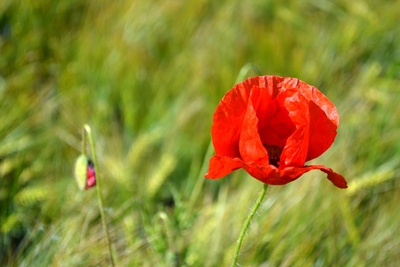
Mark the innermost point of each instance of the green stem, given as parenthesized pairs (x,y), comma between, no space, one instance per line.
(247,224)
(98,186)
(200,178)
(84,142)
(245,70)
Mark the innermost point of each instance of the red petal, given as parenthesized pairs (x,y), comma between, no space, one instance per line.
(322,132)
(228,117)
(263,104)
(313,94)
(221,166)
(250,145)
(296,147)
(275,126)
(91,177)
(227,122)
(267,174)
(292,173)
(324,120)
(270,83)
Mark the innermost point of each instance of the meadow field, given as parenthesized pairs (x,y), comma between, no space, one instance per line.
(147,77)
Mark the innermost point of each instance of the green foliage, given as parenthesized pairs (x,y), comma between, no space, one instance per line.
(147,76)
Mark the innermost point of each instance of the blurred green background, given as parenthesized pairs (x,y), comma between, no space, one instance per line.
(147,76)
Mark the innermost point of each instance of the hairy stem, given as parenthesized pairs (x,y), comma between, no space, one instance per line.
(247,224)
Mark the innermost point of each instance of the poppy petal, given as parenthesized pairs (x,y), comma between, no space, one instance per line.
(322,132)
(275,125)
(250,145)
(324,120)
(263,104)
(311,93)
(296,147)
(292,173)
(221,166)
(228,117)
(227,121)
(267,174)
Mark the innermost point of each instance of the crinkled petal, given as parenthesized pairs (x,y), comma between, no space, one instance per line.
(322,132)
(272,84)
(263,104)
(296,147)
(313,94)
(221,166)
(292,173)
(267,174)
(323,122)
(227,122)
(275,125)
(228,117)
(337,179)
(250,145)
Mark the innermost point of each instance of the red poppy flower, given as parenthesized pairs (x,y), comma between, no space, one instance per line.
(270,126)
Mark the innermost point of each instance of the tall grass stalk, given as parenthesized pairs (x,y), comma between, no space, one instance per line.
(88,131)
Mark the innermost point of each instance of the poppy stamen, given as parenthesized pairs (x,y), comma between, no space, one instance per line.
(274,154)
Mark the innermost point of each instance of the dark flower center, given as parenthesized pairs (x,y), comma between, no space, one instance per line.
(274,154)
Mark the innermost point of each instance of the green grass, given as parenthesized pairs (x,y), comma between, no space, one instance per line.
(147,76)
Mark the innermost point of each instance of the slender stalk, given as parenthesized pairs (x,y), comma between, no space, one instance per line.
(98,186)
(246,70)
(247,224)
(200,178)
(84,141)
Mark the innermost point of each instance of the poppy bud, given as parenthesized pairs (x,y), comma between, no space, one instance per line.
(84,172)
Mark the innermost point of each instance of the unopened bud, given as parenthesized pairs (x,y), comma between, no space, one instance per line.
(84,173)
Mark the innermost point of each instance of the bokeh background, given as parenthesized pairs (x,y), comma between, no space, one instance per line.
(147,76)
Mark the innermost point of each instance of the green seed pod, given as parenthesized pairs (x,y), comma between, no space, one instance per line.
(81,166)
